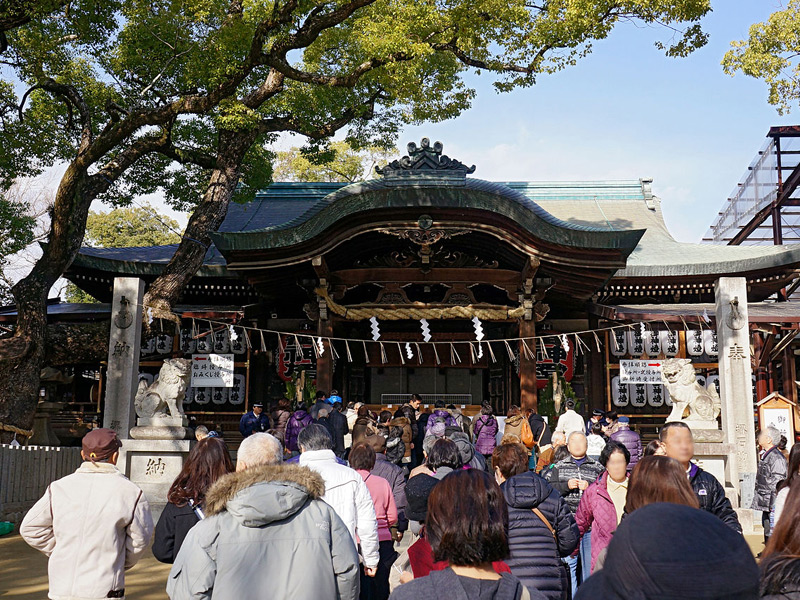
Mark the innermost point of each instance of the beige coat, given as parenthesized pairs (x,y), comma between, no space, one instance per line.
(93,524)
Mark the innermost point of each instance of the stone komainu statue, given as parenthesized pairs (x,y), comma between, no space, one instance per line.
(687,395)
(164,397)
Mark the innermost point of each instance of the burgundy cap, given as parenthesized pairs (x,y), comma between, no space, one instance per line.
(100,444)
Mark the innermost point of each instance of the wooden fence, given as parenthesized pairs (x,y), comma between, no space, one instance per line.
(25,473)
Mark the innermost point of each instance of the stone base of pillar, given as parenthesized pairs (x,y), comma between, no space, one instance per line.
(153,465)
(750,524)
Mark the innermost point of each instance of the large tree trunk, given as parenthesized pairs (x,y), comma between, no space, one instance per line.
(22,356)
(166,290)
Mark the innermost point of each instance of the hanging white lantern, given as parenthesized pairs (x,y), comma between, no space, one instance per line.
(236,395)
(163,343)
(652,343)
(669,343)
(710,343)
(619,342)
(655,395)
(635,342)
(188,345)
(219,395)
(638,395)
(221,345)
(694,342)
(620,396)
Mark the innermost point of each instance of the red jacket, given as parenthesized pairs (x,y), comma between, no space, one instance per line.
(596,512)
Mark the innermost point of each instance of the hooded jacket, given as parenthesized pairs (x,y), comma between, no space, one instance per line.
(279,423)
(534,557)
(297,422)
(94,525)
(437,416)
(469,458)
(408,433)
(485,429)
(772,470)
(346,492)
(267,526)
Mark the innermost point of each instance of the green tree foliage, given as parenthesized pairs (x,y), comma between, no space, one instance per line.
(185,97)
(126,227)
(123,228)
(771,53)
(16,233)
(338,162)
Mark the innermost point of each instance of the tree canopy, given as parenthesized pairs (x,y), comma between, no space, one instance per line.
(771,53)
(338,162)
(185,97)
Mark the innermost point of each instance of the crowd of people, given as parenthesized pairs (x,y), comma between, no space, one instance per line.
(337,501)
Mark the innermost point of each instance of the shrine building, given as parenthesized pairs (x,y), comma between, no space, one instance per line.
(426,239)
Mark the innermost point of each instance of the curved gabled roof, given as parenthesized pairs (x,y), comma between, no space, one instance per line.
(470,197)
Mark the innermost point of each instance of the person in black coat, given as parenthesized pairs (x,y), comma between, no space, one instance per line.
(536,551)
(338,428)
(208,461)
(679,444)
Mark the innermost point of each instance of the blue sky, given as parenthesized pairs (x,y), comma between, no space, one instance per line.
(624,112)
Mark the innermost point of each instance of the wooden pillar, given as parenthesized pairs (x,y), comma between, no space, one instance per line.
(789,374)
(762,377)
(595,386)
(325,362)
(527,367)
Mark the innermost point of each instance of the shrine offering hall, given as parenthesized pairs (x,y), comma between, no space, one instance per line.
(429,280)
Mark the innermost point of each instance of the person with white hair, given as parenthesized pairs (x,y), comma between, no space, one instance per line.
(345,491)
(266,525)
(772,469)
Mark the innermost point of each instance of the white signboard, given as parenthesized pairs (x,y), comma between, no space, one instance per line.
(640,371)
(212,370)
(780,419)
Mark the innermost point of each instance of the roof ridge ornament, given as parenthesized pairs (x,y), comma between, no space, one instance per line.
(425,164)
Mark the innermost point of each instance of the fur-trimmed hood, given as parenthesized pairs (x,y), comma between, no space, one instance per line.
(264,494)
(400,422)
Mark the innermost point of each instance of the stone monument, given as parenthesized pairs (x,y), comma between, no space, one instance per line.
(160,442)
(736,389)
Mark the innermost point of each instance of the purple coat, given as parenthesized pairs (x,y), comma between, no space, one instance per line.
(596,512)
(297,422)
(631,440)
(440,413)
(485,430)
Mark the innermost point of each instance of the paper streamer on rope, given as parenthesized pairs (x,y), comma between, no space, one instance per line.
(320,347)
(232,333)
(247,338)
(333,349)
(384,360)
(453,354)
(564,342)
(299,347)
(426,330)
(419,352)
(347,347)
(596,340)
(641,329)
(491,352)
(472,358)
(264,346)
(400,352)
(526,350)
(409,352)
(509,350)
(315,348)
(706,318)
(436,354)
(480,351)
(545,355)
(376,330)
(366,354)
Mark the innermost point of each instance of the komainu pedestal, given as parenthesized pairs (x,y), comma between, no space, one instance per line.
(161,439)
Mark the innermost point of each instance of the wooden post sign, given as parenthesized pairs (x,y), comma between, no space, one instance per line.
(777,411)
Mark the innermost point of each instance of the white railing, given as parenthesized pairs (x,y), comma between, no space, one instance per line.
(25,473)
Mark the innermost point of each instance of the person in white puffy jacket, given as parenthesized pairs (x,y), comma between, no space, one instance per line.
(345,492)
(94,525)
